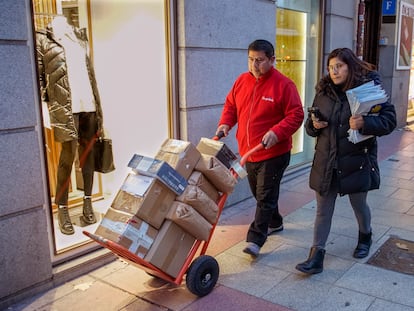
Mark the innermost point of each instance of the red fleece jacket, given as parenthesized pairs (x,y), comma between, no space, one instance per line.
(271,102)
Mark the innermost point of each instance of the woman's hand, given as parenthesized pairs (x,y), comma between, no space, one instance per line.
(356,122)
(319,124)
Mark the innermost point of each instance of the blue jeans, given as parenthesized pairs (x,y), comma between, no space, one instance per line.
(264,179)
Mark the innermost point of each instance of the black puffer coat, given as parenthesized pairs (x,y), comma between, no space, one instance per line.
(356,165)
(55,86)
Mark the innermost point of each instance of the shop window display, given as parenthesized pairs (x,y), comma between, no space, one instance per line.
(297,56)
(83,97)
(69,88)
(410,108)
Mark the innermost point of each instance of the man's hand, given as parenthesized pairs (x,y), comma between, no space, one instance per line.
(269,139)
(223,128)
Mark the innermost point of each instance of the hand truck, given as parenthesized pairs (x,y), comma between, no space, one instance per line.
(202,272)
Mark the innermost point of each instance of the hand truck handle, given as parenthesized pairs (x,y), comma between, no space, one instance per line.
(219,135)
(258,147)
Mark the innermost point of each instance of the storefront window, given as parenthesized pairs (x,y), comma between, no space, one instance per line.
(102,65)
(297,56)
(410,108)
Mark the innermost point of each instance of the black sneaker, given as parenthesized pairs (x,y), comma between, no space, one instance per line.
(272,230)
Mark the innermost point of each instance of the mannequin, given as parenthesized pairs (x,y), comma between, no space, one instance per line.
(68,85)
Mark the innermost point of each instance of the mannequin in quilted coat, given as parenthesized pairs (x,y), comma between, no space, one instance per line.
(69,87)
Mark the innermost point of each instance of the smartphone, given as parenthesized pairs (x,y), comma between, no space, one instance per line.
(315,114)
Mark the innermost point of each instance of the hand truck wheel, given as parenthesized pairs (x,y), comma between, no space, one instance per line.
(152,275)
(202,275)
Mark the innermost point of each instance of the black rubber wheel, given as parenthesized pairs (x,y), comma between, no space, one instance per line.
(202,275)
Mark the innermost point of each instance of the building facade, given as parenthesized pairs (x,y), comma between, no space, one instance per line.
(163,70)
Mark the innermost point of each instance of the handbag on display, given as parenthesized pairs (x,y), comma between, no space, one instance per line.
(104,159)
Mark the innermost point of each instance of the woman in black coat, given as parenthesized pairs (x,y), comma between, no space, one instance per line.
(339,165)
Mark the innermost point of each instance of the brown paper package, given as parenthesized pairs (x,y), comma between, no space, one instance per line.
(198,179)
(200,201)
(215,171)
(190,220)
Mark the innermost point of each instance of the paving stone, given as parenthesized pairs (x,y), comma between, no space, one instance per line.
(378,282)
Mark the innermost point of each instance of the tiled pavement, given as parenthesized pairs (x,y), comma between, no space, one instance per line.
(271,282)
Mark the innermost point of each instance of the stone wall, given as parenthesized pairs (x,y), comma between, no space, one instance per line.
(212,52)
(25,256)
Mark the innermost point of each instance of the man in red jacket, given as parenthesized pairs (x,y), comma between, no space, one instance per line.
(267,109)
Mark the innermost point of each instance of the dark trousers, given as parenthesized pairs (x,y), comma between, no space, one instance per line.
(86,125)
(264,180)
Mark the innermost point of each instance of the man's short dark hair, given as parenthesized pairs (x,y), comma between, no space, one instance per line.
(262,45)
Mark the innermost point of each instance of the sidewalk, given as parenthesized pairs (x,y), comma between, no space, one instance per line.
(271,282)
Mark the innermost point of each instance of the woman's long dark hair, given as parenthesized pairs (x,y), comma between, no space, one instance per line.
(357,68)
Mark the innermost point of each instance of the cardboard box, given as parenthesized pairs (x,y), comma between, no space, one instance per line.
(190,220)
(217,149)
(170,248)
(126,202)
(146,197)
(198,179)
(128,231)
(181,155)
(160,170)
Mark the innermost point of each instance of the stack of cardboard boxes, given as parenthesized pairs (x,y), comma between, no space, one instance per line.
(168,202)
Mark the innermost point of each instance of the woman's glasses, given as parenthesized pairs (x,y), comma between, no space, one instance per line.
(335,67)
